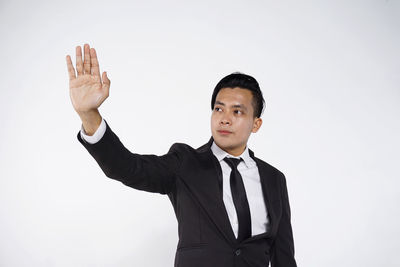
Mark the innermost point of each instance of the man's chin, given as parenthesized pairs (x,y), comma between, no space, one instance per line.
(224,144)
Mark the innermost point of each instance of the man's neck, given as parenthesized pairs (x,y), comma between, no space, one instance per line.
(234,152)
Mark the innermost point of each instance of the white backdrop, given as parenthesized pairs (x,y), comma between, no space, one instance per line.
(329,71)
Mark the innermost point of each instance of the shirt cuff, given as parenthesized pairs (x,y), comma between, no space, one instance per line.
(92,139)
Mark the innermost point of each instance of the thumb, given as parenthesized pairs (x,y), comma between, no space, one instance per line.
(106,81)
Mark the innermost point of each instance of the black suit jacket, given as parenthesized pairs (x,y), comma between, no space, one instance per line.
(192,179)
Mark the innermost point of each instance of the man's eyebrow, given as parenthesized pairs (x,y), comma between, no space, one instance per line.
(234,106)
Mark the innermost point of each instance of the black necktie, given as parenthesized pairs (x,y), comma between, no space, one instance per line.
(239,199)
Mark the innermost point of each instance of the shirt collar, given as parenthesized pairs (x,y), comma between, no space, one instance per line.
(221,154)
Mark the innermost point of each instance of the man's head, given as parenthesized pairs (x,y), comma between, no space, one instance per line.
(237,104)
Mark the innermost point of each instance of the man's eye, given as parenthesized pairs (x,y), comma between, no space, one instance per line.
(217,108)
(238,111)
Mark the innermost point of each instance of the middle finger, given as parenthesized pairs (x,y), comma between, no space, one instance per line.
(86,63)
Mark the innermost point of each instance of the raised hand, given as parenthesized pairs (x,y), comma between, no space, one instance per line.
(87,89)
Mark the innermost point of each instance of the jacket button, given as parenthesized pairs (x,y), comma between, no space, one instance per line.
(237,252)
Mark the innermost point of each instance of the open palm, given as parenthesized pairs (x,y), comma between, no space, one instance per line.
(86,88)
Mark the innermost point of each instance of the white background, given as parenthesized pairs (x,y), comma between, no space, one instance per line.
(329,71)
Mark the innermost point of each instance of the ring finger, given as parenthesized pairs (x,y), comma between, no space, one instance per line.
(79,65)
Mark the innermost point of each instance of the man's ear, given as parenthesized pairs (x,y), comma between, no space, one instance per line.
(256,125)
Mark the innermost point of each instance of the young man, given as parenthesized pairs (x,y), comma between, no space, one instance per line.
(232,208)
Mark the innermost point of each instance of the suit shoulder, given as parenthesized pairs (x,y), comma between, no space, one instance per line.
(180,148)
(272,169)
(185,149)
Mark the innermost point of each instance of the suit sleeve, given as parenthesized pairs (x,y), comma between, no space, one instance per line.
(143,172)
(283,247)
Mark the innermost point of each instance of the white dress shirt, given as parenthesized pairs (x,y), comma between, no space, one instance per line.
(91,139)
(252,185)
(251,180)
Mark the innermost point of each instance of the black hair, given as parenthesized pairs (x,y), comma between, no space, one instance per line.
(243,81)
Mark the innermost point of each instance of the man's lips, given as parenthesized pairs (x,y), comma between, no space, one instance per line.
(224,132)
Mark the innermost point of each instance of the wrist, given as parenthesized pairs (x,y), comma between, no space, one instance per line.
(91,121)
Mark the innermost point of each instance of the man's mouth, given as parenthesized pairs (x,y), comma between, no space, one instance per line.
(224,132)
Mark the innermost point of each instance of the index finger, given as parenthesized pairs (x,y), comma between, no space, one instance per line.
(94,63)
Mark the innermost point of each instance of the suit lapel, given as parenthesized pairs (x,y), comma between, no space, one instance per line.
(208,192)
(270,193)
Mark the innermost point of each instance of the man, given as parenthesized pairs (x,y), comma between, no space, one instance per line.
(232,208)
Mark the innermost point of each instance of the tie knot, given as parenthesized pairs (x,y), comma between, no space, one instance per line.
(233,162)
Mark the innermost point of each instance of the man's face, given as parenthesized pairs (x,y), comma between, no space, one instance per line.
(232,119)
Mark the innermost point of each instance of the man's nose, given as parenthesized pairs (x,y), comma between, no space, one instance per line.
(225,120)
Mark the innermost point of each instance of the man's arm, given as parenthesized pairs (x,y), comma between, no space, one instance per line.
(143,172)
(88,90)
(283,247)
(92,139)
